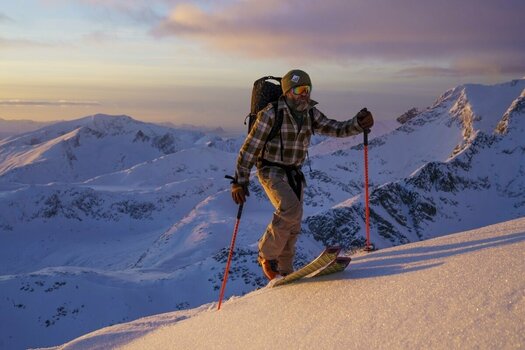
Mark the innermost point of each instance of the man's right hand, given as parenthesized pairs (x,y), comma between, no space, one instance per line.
(239,193)
(365,119)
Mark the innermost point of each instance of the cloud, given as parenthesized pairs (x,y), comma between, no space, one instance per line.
(44,103)
(479,66)
(138,11)
(98,37)
(18,43)
(5,18)
(353,29)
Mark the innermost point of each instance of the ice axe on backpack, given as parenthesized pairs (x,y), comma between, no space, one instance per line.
(232,246)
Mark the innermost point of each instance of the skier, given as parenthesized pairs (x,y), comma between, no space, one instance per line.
(279,163)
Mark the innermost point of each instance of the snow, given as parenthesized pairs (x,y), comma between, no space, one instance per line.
(485,108)
(146,231)
(462,291)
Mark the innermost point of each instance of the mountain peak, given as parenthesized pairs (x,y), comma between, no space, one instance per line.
(510,117)
(125,142)
(408,115)
(109,123)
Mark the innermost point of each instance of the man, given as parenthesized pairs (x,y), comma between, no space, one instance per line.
(279,164)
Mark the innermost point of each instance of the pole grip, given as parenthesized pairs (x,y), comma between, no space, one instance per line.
(239,212)
(365,136)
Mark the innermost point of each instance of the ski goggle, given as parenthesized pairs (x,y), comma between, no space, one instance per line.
(303,89)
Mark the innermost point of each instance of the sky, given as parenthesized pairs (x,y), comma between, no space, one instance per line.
(194,62)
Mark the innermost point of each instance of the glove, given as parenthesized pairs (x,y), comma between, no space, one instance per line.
(239,193)
(365,119)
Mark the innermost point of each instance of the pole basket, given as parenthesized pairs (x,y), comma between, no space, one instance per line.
(369,248)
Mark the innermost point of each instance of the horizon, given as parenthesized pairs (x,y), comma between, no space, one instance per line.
(195,62)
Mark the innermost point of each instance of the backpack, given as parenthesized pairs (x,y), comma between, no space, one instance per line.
(265,92)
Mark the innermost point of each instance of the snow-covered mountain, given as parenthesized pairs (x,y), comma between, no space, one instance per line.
(84,148)
(108,219)
(456,166)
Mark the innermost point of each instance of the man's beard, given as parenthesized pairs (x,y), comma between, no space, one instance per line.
(299,104)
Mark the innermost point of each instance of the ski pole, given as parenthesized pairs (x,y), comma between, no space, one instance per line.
(230,254)
(369,247)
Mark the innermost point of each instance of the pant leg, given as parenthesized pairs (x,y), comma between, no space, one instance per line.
(278,241)
(285,260)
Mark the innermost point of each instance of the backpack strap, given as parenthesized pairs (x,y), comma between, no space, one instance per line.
(278,123)
(311,114)
(276,127)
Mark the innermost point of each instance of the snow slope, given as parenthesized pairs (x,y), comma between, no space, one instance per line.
(461,291)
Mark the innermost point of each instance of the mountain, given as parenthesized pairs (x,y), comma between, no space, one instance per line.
(103,214)
(71,151)
(410,114)
(15,127)
(465,172)
(462,291)
(202,128)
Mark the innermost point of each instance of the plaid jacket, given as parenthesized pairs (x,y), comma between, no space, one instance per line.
(295,144)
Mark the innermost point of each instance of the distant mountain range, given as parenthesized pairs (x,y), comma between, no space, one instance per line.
(104,213)
(15,127)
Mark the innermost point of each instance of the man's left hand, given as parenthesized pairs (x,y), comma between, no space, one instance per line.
(365,119)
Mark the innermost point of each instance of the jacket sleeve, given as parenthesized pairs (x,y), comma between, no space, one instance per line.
(253,145)
(331,127)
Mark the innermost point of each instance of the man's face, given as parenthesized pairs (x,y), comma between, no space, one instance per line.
(299,98)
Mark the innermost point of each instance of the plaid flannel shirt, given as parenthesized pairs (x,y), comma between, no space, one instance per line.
(295,143)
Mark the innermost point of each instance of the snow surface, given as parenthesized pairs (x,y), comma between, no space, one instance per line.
(461,291)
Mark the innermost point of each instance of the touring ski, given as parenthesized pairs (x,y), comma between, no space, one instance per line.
(339,264)
(324,259)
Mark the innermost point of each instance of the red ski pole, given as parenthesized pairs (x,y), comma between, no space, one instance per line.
(232,246)
(368,247)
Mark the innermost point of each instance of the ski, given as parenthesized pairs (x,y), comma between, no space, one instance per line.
(338,265)
(323,260)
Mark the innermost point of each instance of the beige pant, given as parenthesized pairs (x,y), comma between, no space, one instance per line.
(278,241)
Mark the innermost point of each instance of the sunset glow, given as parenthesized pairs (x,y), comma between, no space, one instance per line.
(194,62)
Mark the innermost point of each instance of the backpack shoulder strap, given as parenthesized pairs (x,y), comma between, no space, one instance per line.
(311,114)
(276,127)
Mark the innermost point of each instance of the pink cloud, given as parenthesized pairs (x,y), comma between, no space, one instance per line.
(42,103)
(478,66)
(403,30)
